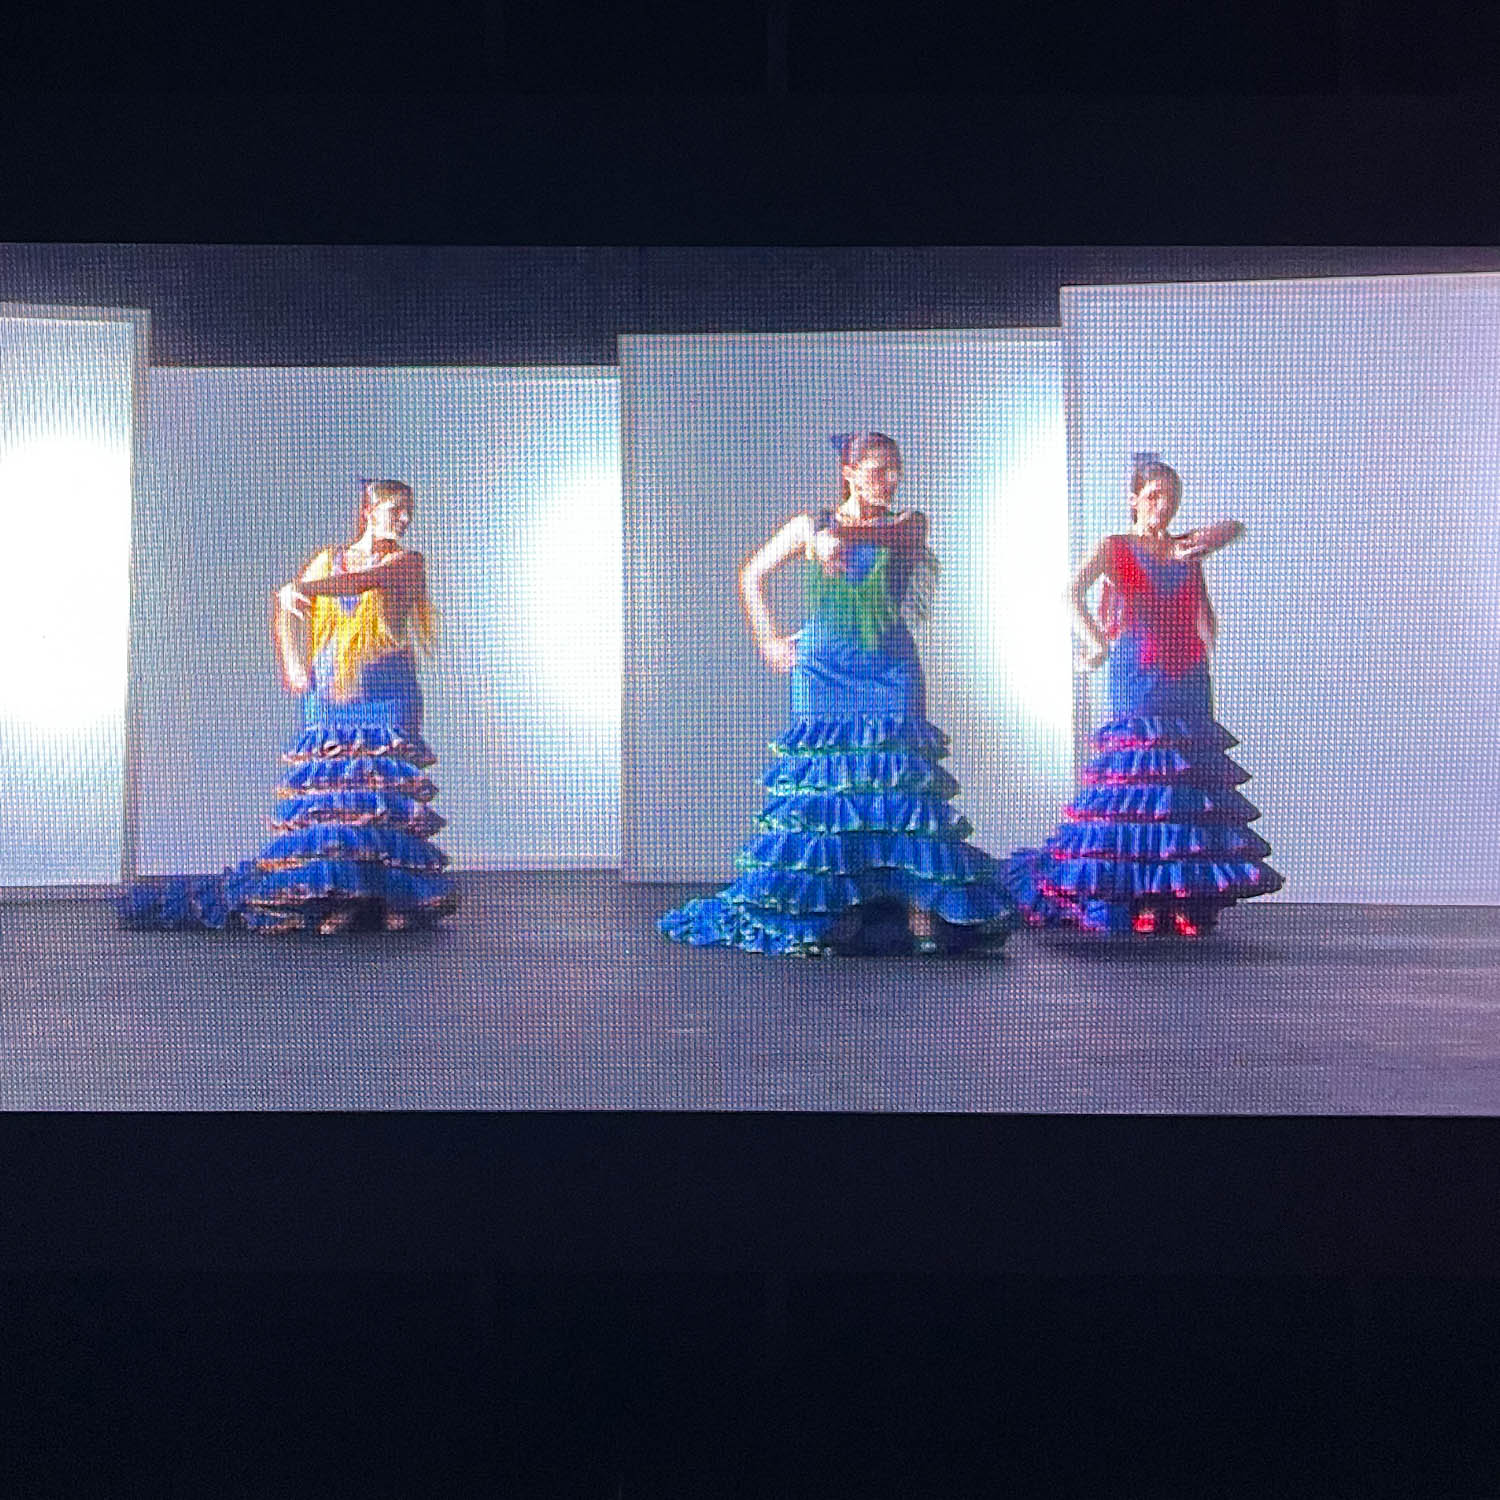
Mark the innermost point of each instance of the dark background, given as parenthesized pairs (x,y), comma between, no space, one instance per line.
(537,305)
(847,48)
(625,1305)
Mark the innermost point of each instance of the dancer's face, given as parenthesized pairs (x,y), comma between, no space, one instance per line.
(874,478)
(388,518)
(1156,503)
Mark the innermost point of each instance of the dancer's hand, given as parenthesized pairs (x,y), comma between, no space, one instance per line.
(780,653)
(824,545)
(1189,546)
(293,600)
(1091,655)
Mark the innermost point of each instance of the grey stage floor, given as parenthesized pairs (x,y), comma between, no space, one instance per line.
(555,992)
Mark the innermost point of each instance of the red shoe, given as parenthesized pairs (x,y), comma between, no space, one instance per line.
(1145,921)
(1185,925)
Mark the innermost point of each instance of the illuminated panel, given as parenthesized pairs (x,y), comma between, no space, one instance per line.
(518,512)
(67,393)
(1353,425)
(725,438)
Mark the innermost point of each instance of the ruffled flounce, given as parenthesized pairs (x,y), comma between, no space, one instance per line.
(715,921)
(1148,731)
(358,807)
(415,893)
(291,899)
(352,825)
(1158,820)
(816,736)
(288,900)
(373,773)
(179,903)
(1162,802)
(331,741)
(1202,766)
(852,854)
(1221,880)
(856,821)
(1156,841)
(853,812)
(803,893)
(361,843)
(867,770)
(791,915)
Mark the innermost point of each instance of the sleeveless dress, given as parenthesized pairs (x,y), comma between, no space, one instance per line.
(856,822)
(352,819)
(1158,822)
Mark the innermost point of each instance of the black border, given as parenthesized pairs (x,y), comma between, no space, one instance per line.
(638,1193)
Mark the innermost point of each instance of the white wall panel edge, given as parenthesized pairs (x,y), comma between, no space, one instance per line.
(513,372)
(1085,291)
(1045,334)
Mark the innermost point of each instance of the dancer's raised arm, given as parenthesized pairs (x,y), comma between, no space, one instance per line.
(1200,543)
(1203,540)
(403,571)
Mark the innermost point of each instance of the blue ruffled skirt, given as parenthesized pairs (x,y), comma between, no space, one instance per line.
(856,825)
(1158,827)
(353,825)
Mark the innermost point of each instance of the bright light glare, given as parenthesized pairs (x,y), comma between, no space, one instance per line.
(1026,552)
(65,603)
(574,599)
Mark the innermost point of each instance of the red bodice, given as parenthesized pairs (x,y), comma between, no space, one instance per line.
(1166,613)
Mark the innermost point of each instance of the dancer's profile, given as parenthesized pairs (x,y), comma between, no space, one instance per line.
(1157,841)
(859,848)
(352,819)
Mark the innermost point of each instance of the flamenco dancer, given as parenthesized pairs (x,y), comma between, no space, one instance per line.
(859,849)
(353,819)
(1158,841)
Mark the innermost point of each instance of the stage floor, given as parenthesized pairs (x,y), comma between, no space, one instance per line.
(554,991)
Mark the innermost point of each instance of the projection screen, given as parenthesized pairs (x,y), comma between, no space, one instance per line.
(517,480)
(725,438)
(1353,425)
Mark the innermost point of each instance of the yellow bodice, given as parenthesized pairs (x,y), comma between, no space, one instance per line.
(362,628)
